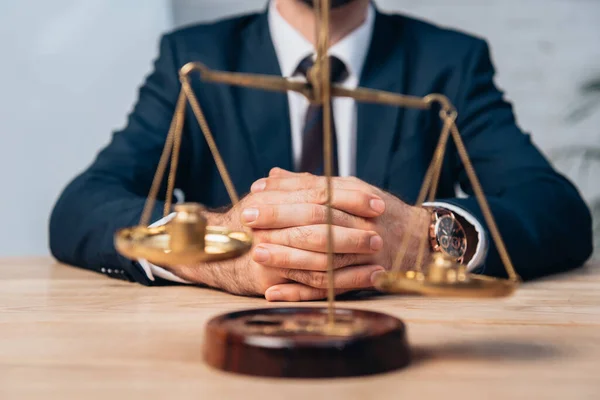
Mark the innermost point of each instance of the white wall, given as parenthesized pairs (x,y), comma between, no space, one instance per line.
(68,75)
(70,69)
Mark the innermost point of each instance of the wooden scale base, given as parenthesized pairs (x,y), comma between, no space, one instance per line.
(300,343)
(275,342)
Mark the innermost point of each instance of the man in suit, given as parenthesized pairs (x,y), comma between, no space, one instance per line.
(271,144)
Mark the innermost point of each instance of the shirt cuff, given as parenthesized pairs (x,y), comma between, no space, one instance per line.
(482,240)
(152,270)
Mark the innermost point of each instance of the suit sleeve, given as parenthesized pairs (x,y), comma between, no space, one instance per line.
(542,218)
(111,193)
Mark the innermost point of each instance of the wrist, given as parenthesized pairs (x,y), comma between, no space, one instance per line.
(422,227)
(214,218)
(414,223)
(451,234)
(422,216)
(421,241)
(229,218)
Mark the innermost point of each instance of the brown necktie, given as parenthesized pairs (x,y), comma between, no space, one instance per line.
(312,134)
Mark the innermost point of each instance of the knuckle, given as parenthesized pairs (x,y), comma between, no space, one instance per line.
(356,280)
(318,214)
(290,274)
(287,237)
(321,263)
(320,182)
(276,236)
(342,218)
(361,223)
(304,235)
(352,242)
(339,261)
(253,200)
(318,280)
(299,276)
(320,195)
(360,241)
(365,240)
(272,213)
(345,260)
(352,180)
(312,294)
(293,274)
(244,201)
(284,259)
(294,236)
(271,183)
(320,240)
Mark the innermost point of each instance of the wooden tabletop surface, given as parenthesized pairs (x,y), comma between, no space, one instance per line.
(66,333)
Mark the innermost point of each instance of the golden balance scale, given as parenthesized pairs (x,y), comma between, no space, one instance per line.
(306,341)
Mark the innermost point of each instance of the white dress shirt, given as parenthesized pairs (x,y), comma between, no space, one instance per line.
(291,48)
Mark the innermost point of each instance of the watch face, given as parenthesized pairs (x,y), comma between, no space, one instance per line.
(451,237)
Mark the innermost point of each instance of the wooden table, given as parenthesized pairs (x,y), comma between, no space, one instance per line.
(67,333)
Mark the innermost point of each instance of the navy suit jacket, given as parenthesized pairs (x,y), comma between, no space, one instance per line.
(543,220)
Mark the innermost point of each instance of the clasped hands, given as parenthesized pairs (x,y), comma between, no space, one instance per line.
(288,214)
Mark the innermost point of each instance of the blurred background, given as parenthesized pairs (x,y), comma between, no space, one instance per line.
(71,68)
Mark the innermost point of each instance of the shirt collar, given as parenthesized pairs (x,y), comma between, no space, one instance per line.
(291,47)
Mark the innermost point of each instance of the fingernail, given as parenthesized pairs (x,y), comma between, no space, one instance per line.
(261,254)
(377,205)
(376,242)
(273,295)
(259,185)
(375,276)
(249,215)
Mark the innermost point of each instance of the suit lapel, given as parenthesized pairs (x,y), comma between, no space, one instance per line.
(376,124)
(264,115)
